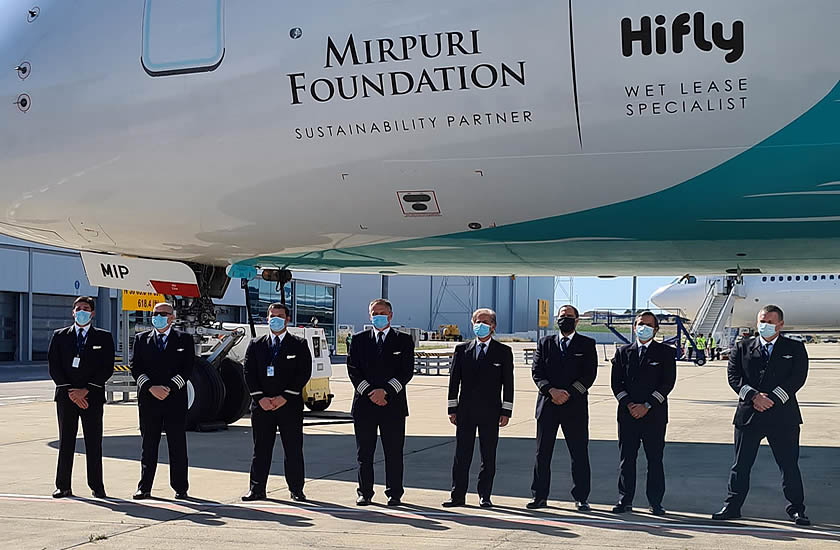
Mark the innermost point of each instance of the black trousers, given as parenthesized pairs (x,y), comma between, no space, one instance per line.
(392,433)
(265,425)
(784,442)
(631,434)
(68,427)
(576,434)
(488,438)
(154,420)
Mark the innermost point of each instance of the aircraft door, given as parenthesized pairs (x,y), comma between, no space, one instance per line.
(182,36)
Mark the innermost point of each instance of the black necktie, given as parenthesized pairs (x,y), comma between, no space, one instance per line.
(642,351)
(80,342)
(766,350)
(380,341)
(275,345)
(161,342)
(564,344)
(481,352)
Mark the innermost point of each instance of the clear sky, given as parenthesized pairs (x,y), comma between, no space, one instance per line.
(594,293)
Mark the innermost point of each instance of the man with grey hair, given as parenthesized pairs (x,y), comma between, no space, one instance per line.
(161,363)
(380,362)
(480,398)
(766,372)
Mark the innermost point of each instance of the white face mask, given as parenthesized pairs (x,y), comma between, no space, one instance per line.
(766,330)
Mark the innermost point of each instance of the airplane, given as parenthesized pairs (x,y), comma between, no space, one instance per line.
(182,144)
(811,302)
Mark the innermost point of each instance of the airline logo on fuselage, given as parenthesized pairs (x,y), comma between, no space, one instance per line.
(453,76)
(114,271)
(644,37)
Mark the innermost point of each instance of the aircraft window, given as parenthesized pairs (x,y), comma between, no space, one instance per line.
(831,277)
(797,277)
(813,277)
(772,279)
(806,277)
(822,277)
(764,279)
(692,280)
(790,278)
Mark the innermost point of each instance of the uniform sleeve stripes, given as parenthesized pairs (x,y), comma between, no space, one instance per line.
(621,395)
(542,383)
(94,385)
(579,387)
(253,393)
(507,405)
(745,391)
(179,381)
(142,379)
(781,394)
(659,397)
(452,403)
(363,386)
(396,384)
(292,392)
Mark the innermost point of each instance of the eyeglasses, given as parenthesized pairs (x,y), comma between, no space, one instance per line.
(162,313)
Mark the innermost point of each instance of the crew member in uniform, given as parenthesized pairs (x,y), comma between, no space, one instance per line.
(161,364)
(564,368)
(480,398)
(277,367)
(643,374)
(766,372)
(380,364)
(81,360)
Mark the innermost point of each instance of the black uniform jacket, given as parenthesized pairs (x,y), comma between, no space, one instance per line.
(574,371)
(171,367)
(95,367)
(483,390)
(390,371)
(292,365)
(648,382)
(782,378)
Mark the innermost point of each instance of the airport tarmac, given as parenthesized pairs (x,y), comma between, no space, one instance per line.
(697,460)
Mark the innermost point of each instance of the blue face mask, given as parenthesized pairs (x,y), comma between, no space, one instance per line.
(82,317)
(159,321)
(379,321)
(644,332)
(766,330)
(276,324)
(481,330)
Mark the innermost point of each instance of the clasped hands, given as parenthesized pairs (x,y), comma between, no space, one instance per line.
(761,402)
(272,403)
(79,397)
(559,397)
(637,410)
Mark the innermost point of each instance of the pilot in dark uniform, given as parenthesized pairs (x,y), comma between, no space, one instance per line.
(162,363)
(480,398)
(643,374)
(81,360)
(766,372)
(564,368)
(277,367)
(380,363)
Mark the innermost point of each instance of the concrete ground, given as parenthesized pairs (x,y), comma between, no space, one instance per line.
(698,456)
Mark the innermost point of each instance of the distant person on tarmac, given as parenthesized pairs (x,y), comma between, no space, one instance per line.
(81,360)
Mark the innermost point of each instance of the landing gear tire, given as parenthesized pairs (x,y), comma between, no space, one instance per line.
(205,394)
(237,398)
(319,406)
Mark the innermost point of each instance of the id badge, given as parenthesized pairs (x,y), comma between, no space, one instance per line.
(269,371)
(76,362)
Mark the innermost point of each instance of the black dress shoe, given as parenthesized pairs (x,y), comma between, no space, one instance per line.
(537,503)
(727,513)
(485,502)
(582,506)
(657,510)
(394,501)
(454,503)
(800,518)
(362,500)
(62,493)
(297,496)
(253,495)
(622,508)
(99,493)
(141,495)
(181,495)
